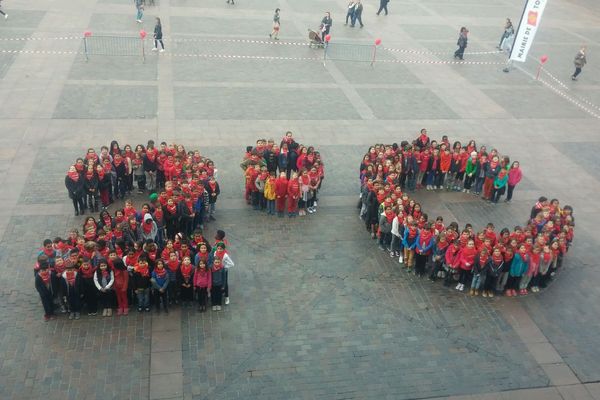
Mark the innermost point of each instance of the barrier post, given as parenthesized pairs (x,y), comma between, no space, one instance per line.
(543,60)
(86,34)
(142,37)
(377,43)
(327,39)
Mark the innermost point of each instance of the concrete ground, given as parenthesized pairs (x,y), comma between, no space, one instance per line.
(317,312)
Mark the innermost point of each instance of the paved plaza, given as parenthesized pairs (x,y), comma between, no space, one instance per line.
(317,311)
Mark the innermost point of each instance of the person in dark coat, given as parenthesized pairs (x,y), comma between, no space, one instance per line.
(461,43)
(383,6)
(44,278)
(74,184)
(158,36)
(90,185)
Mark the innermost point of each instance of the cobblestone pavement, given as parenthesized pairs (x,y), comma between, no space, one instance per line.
(317,311)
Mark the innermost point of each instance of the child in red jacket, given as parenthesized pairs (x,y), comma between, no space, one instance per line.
(281,186)
(293,194)
(467,260)
(202,284)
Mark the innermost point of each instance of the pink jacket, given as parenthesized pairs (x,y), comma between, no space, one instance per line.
(514,176)
(203,280)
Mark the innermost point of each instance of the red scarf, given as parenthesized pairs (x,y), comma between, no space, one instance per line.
(186,271)
(390,216)
(87,273)
(190,206)
(483,259)
(147,228)
(547,257)
(100,174)
(173,265)
(220,254)
(59,269)
(203,256)
(118,160)
(71,275)
(89,175)
(45,275)
(142,270)
(151,154)
(160,272)
(497,259)
(412,232)
(73,175)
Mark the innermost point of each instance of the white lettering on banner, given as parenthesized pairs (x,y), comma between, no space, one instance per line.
(528,26)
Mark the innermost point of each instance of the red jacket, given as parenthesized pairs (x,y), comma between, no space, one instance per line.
(281,187)
(293,189)
(445,161)
(467,258)
(203,279)
(452,256)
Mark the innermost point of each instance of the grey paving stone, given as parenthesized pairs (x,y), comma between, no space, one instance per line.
(101,102)
(261,103)
(406,104)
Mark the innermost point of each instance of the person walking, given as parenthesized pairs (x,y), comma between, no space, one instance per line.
(232,3)
(326,23)
(383,6)
(2,12)
(350,11)
(579,61)
(276,24)
(461,43)
(158,36)
(139,5)
(508,31)
(358,9)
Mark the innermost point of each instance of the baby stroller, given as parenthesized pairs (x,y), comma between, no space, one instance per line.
(315,39)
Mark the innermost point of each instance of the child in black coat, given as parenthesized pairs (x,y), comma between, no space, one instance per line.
(43,284)
(71,281)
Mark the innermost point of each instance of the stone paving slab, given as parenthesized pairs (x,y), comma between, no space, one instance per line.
(263,103)
(101,102)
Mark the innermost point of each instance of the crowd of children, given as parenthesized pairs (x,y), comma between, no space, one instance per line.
(486,262)
(289,173)
(426,163)
(98,179)
(154,254)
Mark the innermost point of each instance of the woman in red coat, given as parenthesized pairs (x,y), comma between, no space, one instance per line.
(293,194)
(281,189)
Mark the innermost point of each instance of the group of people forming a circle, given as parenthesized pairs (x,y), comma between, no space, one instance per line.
(488,262)
(301,175)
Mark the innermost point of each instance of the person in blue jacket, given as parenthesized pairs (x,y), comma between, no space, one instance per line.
(160,283)
(424,244)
